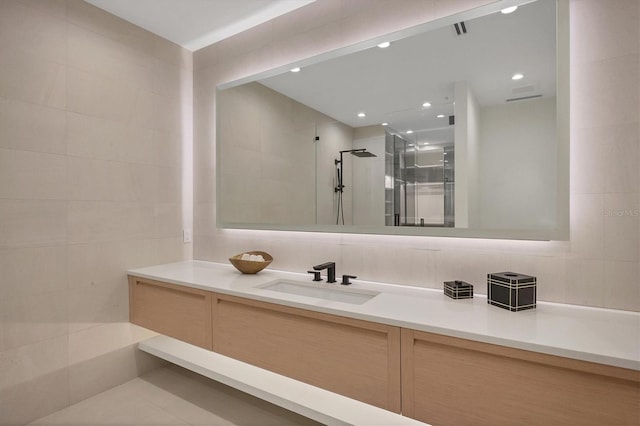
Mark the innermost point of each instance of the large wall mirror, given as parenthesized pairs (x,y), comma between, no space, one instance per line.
(457,127)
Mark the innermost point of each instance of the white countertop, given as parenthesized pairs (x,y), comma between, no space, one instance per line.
(590,334)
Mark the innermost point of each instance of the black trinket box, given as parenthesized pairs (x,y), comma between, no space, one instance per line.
(458,289)
(512,291)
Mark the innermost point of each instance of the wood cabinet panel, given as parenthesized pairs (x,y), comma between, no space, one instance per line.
(358,359)
(176,311)
(450,381)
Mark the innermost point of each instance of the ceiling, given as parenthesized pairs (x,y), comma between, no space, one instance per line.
(194,24)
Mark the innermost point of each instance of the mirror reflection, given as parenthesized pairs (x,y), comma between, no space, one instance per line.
(454,128)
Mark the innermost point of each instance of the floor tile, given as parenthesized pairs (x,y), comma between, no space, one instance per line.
(173,396)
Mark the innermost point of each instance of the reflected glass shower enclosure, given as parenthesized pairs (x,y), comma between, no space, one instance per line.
(419,183)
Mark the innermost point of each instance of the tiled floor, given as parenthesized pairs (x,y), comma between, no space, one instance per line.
(173,396)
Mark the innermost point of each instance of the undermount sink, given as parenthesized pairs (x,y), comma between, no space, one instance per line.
(321,291)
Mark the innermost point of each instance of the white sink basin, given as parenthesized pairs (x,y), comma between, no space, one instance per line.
(332,292)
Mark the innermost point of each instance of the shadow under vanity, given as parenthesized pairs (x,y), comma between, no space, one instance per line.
(407,350)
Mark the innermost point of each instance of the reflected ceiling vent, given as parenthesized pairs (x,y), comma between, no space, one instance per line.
(526,91)
(522,98)
(460,28)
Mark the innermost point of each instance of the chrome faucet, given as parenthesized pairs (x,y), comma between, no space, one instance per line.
(331,270)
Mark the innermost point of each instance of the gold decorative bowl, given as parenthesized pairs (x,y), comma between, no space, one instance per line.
(251,266)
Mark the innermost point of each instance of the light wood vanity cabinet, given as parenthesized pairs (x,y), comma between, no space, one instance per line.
(358,359)
(433,378)
(177,311)
(451,381)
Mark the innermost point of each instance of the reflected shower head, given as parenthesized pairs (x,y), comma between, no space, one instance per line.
(339,188)
(360,152)
(363,154)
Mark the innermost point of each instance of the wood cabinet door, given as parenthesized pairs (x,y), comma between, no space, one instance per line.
(451,381)
(355,358)
(176,311)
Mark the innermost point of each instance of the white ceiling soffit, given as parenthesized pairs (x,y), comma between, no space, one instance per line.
(194,24)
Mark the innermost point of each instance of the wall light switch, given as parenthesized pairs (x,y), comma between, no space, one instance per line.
(187,236)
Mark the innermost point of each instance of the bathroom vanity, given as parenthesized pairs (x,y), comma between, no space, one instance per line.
(407,350)
(355,358)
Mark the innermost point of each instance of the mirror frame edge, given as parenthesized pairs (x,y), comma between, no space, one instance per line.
(563,116)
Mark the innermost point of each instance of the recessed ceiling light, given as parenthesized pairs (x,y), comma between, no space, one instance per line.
(440,116)
(296,69)
(409,132)
(385,124)
(426,104)
(362,114)
(384,45)
(508,10)
(517,76)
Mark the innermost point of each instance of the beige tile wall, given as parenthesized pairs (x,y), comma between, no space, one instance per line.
(598,266)
(95,115)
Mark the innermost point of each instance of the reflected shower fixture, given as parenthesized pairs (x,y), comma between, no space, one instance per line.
(339,188)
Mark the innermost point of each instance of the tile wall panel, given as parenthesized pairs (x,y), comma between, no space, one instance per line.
(91,184)
(30,127)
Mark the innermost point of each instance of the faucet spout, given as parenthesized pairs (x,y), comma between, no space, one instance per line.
(331,270)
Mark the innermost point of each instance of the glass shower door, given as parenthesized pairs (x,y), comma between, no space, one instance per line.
(399,199)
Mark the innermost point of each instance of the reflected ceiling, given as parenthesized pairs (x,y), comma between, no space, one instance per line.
(483,57)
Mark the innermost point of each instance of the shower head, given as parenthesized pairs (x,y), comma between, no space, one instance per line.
(362,152)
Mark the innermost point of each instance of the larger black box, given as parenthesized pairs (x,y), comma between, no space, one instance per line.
(512,291)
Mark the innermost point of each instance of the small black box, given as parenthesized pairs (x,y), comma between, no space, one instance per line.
(458,289)
(512,291)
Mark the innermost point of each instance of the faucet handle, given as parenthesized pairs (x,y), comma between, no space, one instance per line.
(345,279)
(316,275)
